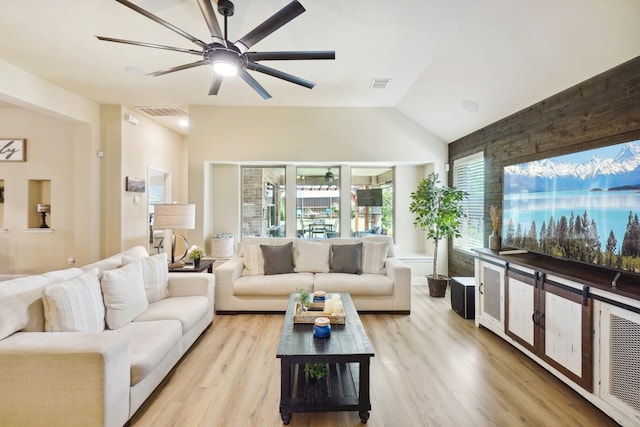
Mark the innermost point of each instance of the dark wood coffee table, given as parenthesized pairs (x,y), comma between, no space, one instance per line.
(347,354)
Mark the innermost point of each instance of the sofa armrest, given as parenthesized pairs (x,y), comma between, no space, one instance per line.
(226,274)
(400,273)
(191,284)
(64,378)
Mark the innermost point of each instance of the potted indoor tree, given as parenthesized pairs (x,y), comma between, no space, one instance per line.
(438,211)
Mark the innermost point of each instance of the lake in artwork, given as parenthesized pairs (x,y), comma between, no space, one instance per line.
(582,206)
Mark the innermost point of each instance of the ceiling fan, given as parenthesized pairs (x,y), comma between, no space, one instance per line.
(228,58)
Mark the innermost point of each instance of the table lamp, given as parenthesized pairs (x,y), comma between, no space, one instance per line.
(172,216)
(43,210)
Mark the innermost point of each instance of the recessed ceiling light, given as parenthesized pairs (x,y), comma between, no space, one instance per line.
(470,106)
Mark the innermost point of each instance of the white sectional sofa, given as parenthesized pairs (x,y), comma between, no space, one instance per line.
(252,282)
(87,346)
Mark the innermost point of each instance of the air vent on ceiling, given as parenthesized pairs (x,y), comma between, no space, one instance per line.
(164,111)
(379,83)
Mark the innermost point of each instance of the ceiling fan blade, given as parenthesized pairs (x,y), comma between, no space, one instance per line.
(162,22)
(178,68)
(295,55)
(212,22)
(277,20)
(215,84)
(280,74)
(152,45)
(253,83)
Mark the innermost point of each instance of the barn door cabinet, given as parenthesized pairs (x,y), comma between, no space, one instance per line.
(553,319)
(490,276)
(580,322)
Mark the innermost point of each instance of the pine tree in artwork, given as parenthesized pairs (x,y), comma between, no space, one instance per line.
(612,242)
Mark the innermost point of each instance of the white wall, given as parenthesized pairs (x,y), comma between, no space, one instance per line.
(51,119)
(278,135)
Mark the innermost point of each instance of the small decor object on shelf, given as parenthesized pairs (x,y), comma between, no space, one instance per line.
(494,238)
(42,210)
(322,327)
(303,300)
(195,254)
(316,371)
(319,296)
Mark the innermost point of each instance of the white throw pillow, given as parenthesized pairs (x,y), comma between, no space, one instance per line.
(311,257)
(374,255)
(74,305)
(124,294)
(155,273)
(253,260)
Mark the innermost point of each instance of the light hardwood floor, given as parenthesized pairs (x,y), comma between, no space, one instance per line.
(431,368)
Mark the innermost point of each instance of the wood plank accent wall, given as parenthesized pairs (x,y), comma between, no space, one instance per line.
(601,111)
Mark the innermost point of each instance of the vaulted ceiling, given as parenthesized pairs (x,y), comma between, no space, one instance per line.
(454,66)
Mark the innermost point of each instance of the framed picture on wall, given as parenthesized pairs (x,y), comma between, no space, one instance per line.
(135,185)
(13,150)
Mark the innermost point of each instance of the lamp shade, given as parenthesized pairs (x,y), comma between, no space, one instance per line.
(174,216)
(43,208)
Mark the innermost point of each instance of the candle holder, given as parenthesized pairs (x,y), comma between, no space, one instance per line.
(43,210)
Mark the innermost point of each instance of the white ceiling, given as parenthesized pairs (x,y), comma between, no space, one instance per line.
(502,55)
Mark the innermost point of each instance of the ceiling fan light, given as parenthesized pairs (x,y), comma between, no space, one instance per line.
(329,177)
(225,68)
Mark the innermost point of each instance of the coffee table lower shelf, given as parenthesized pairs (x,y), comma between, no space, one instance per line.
(338,391)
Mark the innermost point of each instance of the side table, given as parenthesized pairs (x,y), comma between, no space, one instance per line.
(205,264)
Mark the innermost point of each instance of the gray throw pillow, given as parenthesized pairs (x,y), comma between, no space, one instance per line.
(346,258)
(278,259)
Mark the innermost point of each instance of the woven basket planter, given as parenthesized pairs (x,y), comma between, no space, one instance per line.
(437,286)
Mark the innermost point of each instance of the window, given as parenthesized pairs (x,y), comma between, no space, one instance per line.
(468,175)
(371,201)
(318,202)
(263,201)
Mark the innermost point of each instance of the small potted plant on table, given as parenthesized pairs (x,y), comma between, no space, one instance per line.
(438,211)
(195,254)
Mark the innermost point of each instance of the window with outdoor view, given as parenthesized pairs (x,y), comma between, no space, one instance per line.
(371,201)
(468,175)
(263,201)
(318,202)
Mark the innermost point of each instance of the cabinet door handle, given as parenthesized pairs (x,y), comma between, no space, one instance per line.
(480,288)
(533,317)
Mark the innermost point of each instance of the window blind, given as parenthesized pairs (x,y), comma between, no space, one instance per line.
(468,175)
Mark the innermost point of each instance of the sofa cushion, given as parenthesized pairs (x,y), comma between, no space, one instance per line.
(124,294)
(356,285)
(21,301)
(155,275)
(274,285)
(382,238)
(150,343)
(188,310)
(312,257)
(374,255)
(278,259)
(346,258)
(74,305)
(253,261)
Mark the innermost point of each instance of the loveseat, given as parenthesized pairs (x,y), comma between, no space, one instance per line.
(258,281)
(87,346)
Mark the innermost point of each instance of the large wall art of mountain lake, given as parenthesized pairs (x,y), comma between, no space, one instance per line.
(582,206)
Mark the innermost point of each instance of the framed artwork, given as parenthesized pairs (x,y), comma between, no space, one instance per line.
(136,185)
(13,150)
